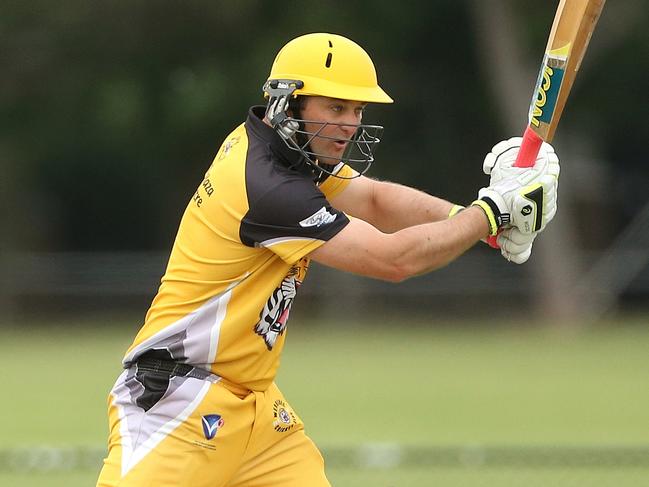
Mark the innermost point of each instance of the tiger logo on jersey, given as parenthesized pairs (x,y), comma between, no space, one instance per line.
(274,315)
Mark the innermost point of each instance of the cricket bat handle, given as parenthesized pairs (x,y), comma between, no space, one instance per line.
(529,149)
(526,158)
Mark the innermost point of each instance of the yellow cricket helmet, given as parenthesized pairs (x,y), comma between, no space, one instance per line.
(329,65)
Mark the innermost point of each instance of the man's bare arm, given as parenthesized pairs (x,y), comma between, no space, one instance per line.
(362,249)
(389,206)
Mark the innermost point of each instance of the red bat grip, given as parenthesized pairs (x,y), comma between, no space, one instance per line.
(526,158)
(529,149)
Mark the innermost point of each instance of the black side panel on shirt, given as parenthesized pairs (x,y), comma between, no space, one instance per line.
(283,201)
(155,382)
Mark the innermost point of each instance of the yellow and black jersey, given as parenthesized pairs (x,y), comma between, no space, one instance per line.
(239,258)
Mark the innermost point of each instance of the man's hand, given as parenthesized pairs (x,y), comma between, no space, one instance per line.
(523,197)
(527,201)
(515,246)
(499,163)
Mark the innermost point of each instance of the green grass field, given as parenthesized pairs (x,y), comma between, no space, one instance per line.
(411,385)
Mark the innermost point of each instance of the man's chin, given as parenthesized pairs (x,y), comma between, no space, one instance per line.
(329,161)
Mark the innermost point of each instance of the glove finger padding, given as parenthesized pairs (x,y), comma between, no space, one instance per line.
(516,246)
(504,152)
(514,241)
(553,162)
(499,163)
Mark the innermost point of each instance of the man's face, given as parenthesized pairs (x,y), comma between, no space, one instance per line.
(334,111)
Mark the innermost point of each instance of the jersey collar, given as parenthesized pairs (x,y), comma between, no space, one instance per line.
(286,156)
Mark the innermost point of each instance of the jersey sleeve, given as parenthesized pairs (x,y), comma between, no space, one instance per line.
(334,185)
(292,219)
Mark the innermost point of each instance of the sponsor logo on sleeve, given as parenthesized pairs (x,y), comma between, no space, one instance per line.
(319,218)
(227,147)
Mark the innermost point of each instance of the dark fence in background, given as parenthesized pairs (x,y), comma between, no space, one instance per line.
(72,284)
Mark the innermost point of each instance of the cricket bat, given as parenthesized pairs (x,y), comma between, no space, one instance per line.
(572,28)
(571,31)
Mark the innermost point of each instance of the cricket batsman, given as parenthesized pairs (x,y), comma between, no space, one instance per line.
(196,404)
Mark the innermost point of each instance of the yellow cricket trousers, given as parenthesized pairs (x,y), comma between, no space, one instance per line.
(168,430)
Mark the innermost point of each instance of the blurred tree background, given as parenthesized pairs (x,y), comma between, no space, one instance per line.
(112,111)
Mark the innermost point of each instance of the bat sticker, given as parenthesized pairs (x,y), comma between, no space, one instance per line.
(548,86)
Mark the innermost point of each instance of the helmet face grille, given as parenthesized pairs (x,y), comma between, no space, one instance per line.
(359,147)
(358,154)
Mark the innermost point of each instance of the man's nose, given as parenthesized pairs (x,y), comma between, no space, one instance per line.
(349,125)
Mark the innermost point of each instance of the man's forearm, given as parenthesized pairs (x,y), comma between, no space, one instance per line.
(362,249)
(395,207)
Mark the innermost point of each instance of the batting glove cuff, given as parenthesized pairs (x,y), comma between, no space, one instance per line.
(497,215)
(455,210)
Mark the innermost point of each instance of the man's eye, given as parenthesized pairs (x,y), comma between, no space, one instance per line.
(336,108)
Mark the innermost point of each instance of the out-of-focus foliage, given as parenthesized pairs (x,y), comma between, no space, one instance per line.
(110,112)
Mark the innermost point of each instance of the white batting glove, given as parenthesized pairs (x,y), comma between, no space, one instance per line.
(276,115)
(534,205)
(527,201)
(516,246)
(499,163)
